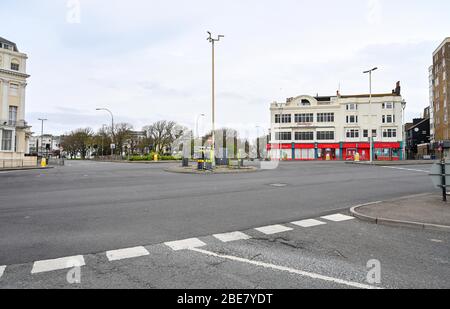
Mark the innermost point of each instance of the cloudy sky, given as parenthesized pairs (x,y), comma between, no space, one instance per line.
(149,60)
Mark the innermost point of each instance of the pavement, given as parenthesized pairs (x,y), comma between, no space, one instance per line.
(218,170)
(426,211)
(395,163)
(124,224)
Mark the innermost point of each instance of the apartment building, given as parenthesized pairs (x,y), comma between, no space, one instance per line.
(14,131)
(338,127)
(440,92)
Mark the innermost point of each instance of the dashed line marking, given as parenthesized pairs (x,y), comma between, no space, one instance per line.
(2,270)
(121,254)
(185,244)
(287,269)
(273,229)
(308,223)
(58,264)
(338,218)
(234,236)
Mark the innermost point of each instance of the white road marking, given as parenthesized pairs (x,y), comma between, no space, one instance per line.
(234,236)
(287,269)
(273,229)
(185,244)
(338,218)
(121,254)
(406,169)
(58,264)
(308,223)
(2,270)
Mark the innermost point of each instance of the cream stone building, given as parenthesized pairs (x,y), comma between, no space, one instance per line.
(14,131)
(338,127)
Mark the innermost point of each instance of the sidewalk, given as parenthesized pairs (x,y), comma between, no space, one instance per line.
(401,162)
(9,169)
(426,211)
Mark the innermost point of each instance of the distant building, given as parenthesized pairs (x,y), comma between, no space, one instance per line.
(337,127)
(440,92)
(418,133)
(14,131)
(47,144)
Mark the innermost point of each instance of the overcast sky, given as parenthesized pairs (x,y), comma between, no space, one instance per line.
(149,60)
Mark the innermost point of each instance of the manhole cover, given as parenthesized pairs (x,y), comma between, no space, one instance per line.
(278,185)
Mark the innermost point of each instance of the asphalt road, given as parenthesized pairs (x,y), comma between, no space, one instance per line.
(88,207)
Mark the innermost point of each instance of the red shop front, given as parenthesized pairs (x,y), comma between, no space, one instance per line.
(304,152)
(349,150)
(280,151)
(387,151)
(331,151)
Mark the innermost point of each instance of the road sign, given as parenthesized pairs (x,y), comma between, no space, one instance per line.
(436,175)
(113,146)
(440,176)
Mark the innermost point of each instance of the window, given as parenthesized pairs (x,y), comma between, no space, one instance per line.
(12,115)
(366,133)
(374,133)
(286,118)
(352,107)
(7,140)
(277,118)
(283,136)
(14,66)
(325,135)
(389,133)
(388,119)
(325,117)
(306,102)
(304,136)
(304,118)
(352,119)
(388,105)
(352,133)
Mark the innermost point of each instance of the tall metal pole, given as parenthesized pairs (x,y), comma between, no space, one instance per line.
(112,126)
(370,112)
(257,142)
(212,41)
(42,135)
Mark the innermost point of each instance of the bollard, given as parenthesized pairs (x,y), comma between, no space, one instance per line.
(357,157)
(155,158)
(43,162)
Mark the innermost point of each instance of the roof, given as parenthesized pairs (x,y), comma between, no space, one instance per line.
(5,41)
(446,40)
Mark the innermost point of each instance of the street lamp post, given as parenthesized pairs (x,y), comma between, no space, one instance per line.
(370,111)
(42,136)
(213,41)
(404,129)
(257,143)
(112,126)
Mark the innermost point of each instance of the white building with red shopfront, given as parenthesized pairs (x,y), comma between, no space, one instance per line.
(338,127)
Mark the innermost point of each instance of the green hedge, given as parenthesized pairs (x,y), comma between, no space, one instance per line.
(150,158)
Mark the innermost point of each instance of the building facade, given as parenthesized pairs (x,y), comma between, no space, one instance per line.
(14,131)
(338,127)
(418,134)
(440,92)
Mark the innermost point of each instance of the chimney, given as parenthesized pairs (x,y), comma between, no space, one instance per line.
(397,90)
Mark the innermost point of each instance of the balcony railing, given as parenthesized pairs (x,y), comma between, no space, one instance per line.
(13,123)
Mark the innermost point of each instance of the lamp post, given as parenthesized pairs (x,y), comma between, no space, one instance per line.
(257,142)
(42,135)
(112,126)
(404,129)
(213,41)
(370,111)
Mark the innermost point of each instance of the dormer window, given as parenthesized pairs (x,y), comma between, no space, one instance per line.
(306,102)
(15,66)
